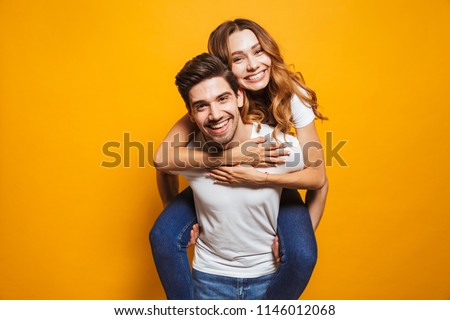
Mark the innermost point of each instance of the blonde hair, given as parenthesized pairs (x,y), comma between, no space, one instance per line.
(275,105)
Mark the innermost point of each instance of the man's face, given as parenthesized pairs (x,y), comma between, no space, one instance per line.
(215,109)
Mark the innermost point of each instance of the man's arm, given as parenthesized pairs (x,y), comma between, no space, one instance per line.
(315,201)
(315,198)
(168,185)
(173,154)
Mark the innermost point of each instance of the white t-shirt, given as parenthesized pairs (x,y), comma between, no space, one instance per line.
(302,115)
(238,223)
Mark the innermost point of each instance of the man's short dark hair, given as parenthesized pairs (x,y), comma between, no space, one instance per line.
(202,67)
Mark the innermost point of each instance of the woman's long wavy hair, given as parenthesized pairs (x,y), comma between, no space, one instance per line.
(274,106)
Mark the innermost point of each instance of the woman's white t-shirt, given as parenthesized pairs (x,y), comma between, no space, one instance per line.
(302,115)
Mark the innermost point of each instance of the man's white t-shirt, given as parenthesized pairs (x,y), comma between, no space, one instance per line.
(238,223)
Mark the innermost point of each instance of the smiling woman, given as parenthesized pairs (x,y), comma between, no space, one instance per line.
(249,61)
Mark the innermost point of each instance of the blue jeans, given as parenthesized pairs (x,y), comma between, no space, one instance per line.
(214,287)
(298,249)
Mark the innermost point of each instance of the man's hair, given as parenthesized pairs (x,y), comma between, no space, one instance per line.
(203,67)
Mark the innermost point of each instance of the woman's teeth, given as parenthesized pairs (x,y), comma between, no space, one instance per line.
(256,76)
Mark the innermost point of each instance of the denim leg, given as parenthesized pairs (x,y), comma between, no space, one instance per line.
(168,238)
(298,249)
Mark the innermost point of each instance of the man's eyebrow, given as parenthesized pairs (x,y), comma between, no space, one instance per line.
(194,103)
(240,51)
(223,94)
(227,93)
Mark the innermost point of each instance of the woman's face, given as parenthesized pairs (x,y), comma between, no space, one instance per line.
(249,63)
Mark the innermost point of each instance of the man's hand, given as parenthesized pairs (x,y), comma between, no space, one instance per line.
(194,235)
(276,249)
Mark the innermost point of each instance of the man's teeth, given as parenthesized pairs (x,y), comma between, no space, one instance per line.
(256,76)
(219,125)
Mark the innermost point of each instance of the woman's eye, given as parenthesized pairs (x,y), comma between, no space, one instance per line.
(259,51)
(237,60)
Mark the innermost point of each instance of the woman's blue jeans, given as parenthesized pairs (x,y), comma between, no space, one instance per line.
(298,249)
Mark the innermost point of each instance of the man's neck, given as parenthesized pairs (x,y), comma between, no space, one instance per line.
(243,133)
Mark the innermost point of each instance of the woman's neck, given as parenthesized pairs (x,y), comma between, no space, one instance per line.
(262,96)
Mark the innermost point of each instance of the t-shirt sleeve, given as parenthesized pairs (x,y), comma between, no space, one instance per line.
(302,115)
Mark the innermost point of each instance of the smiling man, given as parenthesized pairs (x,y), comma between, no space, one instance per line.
(233,257)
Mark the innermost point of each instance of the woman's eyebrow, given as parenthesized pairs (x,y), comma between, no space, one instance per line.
(241,51)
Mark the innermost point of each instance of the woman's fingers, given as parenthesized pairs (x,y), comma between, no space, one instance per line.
(256,140)
(220,175)
(274,146)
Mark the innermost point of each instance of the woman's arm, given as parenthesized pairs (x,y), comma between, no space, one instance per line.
(313,178)
(173,155)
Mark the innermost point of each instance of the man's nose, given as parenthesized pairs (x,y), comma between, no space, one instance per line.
(215,113)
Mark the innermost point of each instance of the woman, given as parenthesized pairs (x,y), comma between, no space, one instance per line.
(279,97)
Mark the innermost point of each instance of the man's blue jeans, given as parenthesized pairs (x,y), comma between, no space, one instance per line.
(298,249)
(214,287)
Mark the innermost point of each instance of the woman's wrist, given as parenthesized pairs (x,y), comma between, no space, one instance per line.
(264,178)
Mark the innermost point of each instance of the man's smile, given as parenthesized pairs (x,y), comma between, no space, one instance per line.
(218,127)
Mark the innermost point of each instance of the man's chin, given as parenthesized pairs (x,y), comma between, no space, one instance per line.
(218,140)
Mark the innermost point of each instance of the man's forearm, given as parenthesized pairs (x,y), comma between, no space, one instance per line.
(168,185)
(315,201)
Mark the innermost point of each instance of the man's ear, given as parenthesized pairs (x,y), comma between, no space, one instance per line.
(189,110)
(240,97)
(191,117)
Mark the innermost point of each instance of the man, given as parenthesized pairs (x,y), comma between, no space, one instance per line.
(238,223)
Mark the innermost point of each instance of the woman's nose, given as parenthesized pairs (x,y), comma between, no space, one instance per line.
(252,64)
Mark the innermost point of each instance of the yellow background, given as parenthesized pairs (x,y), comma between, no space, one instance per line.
(77,74)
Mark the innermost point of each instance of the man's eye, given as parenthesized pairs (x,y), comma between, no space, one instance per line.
(200,107)
(223,99)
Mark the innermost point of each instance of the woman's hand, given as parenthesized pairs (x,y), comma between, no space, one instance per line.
(253,152)
(237,175)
